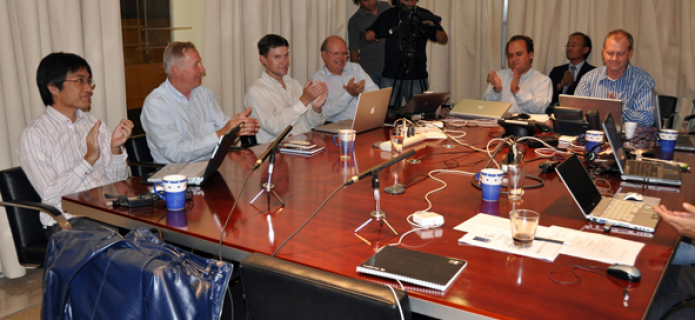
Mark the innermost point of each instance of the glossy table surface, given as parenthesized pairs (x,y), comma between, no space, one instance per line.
(494,284)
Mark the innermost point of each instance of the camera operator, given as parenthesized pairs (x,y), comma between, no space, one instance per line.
(406,29)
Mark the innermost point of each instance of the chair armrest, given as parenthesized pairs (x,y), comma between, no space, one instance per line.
(56,214)
(688,118)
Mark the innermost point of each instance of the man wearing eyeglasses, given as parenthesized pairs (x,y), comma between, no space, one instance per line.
(566,77)
(619,79)
(66,149)
(346,80)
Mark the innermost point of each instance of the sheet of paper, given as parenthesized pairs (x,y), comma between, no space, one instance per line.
(597,247)
(482,219)
(500,239)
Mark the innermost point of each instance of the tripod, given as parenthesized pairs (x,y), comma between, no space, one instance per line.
(268,187)
(410,62)
(377,215)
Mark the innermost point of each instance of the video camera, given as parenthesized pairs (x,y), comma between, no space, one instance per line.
(411,27)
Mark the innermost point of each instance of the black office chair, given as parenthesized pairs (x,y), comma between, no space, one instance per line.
(139,157)
(22,204)
(667,107)
(278,289)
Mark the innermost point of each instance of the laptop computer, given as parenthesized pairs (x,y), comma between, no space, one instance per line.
(200,171)
(369,114)
(604,106)
(424,103)
(643,171)
(684,142)
(618,212)
(480,109)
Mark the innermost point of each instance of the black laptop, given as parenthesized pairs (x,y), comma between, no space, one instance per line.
(426,103)
(643,171)
(684,142)
(199,172)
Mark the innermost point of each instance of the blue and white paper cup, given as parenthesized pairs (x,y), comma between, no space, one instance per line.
(174,186)
(593,138)
(491,183)
(668,139)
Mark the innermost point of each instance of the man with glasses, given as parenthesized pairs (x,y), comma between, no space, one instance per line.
(346,80)
(67,150)
(566,77)
(619,79)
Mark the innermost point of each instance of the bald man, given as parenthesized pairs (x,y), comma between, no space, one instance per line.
(346,80)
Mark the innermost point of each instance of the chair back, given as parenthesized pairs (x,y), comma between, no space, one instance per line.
(667,107)
(138,153)
(27,231)
(278,289)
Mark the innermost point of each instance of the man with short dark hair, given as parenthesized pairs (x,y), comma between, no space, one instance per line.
(370,55)
(405,48)
(566,77)
(619,79)
(528,90)
(345,80)
(66,149)
(182,119)
(278,100)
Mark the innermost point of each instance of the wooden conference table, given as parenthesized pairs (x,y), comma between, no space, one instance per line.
(494,284)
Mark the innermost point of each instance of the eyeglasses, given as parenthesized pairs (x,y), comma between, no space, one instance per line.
(338,54)
(82,82)
(573,45)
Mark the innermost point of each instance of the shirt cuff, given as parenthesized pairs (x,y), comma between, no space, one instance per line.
(83,169)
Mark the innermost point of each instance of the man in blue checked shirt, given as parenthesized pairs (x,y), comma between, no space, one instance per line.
(619,79)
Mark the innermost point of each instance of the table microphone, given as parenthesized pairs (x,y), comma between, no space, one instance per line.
(378,167)
(272,147)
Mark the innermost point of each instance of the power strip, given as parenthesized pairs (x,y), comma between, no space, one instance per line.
(409,141)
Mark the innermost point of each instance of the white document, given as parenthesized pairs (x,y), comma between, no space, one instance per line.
(482,219)
(597,247)
(500,239)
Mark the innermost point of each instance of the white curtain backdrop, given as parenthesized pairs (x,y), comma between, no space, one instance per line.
(31,29)
(663,32)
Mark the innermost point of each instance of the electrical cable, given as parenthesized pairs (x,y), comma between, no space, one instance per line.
(308,219)
(626,294)
(398,302)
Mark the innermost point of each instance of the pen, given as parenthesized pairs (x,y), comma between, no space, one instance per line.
(552,240)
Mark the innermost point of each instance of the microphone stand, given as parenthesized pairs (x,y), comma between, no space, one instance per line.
(377,215)
(268,187)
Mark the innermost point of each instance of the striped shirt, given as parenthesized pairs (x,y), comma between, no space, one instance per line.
(51,153)
(634,88)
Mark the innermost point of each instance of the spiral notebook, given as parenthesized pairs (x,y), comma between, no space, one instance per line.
(415,267)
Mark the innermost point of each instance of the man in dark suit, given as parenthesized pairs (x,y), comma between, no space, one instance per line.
(566,77)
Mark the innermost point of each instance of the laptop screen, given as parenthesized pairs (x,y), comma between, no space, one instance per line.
(614,140)
(579,183)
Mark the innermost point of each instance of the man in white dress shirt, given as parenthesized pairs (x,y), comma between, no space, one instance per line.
(345,80)
(67,150)
(182,119)
(278,100)
(528,90)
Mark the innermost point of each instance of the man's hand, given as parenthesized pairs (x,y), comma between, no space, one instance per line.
(321,99)
(354,88)
(249,126)
(370,36)
(610,95)
(682,221)
(514,85)
(567,79)
(311,91)
(120,135)
(93,152)
(495,81)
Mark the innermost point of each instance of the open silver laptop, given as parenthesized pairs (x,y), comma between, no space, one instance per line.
(480,109)
(197,173)
(643,171)
(604,106)
(618,212)
(369,114)
(684,142)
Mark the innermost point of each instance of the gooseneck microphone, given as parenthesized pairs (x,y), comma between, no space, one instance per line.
(272,147)
(378,167)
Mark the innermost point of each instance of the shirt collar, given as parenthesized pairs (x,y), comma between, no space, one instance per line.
(59,117)
(272,81)
(578,65)
(628,71)
(329,73)
(527,74)
(176,93)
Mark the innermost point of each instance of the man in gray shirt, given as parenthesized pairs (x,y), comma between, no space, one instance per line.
(369,55)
